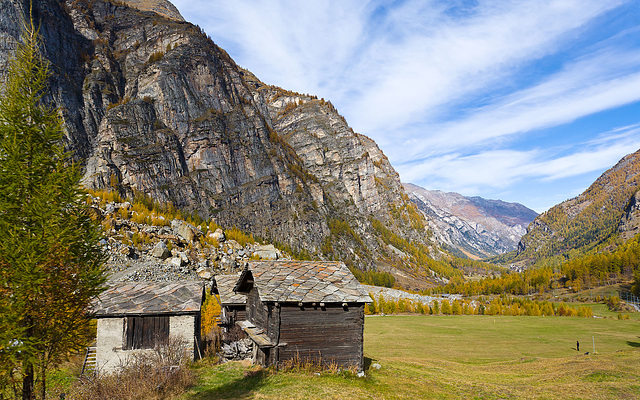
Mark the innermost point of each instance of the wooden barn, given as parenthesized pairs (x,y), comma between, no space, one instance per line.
(138,316)
(309,310)
(232,304)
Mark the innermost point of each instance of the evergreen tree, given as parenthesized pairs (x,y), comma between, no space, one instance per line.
(50,258)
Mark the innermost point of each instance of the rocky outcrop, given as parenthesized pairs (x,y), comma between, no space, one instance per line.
(630,222)
(154,107)
(475,227)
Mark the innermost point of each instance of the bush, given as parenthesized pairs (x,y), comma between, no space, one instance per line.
(159,374)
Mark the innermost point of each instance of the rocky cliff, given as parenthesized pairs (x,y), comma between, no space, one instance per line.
(473,226)
(630,221)
(585,222)
(152,106)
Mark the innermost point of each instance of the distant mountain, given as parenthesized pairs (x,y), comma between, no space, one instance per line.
(473,226)
(608,207)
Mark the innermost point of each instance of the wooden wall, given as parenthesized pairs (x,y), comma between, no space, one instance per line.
(256,311)
(331,335)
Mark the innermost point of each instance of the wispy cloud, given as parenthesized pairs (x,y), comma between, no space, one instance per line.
(503,168)
(599,82)
(459,57)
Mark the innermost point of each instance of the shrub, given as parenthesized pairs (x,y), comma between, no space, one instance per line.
(155,57)
(158,374)
(239,236)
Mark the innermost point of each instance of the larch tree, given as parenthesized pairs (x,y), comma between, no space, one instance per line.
(51,263)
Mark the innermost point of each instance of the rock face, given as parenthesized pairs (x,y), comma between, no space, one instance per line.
(152,106)
(474,226)
(606,208)
(630,222)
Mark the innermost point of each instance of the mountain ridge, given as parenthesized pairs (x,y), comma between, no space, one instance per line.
(474,226)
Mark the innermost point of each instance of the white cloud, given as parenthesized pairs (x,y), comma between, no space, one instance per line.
(598,83)
(299,45)
(457,58)
(499,169)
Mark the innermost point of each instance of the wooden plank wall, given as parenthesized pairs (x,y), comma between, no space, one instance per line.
(255,309)
(330,335)
(145,332)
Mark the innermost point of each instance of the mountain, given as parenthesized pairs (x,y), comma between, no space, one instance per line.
(608,207)
(473,226)
(153,108)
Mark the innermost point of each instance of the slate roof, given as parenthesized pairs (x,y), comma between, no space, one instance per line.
(150,298)
(225,284)
(304,281)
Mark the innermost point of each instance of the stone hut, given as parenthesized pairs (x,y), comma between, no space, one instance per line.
(138,316)
(312,311)
(232,304)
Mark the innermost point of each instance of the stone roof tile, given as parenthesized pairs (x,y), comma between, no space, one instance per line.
(306,281)
(149,298)
(224,285)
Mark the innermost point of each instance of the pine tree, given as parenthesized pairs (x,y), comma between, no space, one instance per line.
(50,258)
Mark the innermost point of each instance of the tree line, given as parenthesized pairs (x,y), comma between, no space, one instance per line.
(499,305)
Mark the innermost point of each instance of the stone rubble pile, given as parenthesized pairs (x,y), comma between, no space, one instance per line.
(180,251)
(239,350)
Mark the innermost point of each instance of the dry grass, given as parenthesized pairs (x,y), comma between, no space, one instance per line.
(161,374)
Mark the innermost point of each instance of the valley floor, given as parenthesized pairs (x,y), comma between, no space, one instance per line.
(460,357)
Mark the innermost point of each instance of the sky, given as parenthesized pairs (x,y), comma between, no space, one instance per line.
(522,101)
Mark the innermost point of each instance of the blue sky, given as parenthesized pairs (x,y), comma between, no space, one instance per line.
(523,101)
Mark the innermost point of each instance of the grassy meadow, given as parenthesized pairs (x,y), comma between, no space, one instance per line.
(459,357)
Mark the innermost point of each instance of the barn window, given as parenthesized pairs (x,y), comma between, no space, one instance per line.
(145,332)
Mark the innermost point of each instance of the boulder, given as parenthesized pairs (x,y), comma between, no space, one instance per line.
(232,244)
(176,262)
(228,263)
(182,256)
(128,251)
(110,208)
(218,235)
(161,250)
(204,273)
(267,252)
(187,231)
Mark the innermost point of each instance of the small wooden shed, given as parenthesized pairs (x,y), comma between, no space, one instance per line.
(232,304)
(138,316)
(309,310)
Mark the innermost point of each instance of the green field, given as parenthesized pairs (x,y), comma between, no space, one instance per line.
(460,357)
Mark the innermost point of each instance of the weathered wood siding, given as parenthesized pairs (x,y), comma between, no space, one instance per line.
(256,311)
(332,334)
(145,332)
(239,313)
(234,313)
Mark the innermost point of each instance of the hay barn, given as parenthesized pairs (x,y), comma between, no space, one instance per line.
(313,311)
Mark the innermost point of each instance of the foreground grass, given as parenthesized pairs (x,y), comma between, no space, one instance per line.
(460,357)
